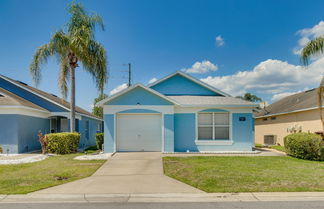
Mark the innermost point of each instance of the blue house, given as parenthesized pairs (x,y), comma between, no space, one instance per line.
(25,110)
(177,114)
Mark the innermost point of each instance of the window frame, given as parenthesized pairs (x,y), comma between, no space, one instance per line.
(213,126)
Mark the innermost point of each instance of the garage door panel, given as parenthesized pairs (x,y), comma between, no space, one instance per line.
(139,132)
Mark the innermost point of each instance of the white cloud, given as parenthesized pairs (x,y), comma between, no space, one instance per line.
(270,77)
(219,40)
(308,34)
(152,80)
(201,67)
(118,89)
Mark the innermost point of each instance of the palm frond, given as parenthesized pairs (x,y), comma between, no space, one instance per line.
(94,60)
(40,57)
(314,47)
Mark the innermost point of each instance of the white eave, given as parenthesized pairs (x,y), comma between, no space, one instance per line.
(102,102)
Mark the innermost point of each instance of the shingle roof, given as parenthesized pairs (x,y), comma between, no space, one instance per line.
(295,102)
(209,100)
(9,99)
(51,97)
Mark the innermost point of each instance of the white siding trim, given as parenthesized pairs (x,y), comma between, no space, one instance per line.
(198,109)
(65,114)
(112,109)
(23,110)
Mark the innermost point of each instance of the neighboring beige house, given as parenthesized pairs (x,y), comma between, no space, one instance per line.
(295,113)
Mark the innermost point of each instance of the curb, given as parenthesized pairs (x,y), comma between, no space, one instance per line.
(178,197)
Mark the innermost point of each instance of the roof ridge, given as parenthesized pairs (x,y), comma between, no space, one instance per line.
(50,97)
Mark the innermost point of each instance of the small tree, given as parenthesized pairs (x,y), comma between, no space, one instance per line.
(98,111)
(74,45)
(250,97)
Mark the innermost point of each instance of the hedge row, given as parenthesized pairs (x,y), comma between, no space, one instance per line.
(306,146)
(62,143)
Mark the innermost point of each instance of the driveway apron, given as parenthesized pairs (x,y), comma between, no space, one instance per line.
(126,173)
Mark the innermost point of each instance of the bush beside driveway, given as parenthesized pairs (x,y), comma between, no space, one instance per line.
(247,174)
(25,178)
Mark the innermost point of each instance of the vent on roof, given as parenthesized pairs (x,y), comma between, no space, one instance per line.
(54,95)
(22,83)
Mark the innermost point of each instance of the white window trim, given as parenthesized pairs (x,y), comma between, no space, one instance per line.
(215,141)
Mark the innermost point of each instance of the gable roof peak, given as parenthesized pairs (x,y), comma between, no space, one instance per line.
(197,81)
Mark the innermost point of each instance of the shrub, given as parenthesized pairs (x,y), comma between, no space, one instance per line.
(91,148)
(99,140)
(1,150)
(62,143)
(306,146)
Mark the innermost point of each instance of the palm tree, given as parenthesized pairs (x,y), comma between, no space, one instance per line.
(76,44)
(250,97)
(315,47)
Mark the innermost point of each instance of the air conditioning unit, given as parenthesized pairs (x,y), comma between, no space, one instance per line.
(270,139)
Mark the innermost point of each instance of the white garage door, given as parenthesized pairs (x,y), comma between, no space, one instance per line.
(139,132)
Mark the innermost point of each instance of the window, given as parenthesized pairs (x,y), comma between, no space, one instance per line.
(87,130)
(213,126)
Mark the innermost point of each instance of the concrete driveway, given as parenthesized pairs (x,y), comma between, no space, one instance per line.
(130,173)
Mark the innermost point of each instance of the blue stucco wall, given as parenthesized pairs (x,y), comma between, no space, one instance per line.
(109,136)
(18,133)
(139,96)
(185,134)
(179,85)
(30,96)
(168,133)
(28,128)
(9,133)
(88,139)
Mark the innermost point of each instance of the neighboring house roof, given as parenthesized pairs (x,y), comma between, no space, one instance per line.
(192,79)
(102,102)
(50,97)
(211,100)
(9,99)
(297,102)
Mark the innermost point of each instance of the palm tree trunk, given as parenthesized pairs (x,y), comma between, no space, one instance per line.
(72,102)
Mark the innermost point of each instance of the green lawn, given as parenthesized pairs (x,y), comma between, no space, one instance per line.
(25,178)
(278,147)
(247,174)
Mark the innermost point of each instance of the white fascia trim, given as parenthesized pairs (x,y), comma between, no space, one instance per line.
(284,113)
(223,106)
(84,115)
(112,109)
(23,110)
(192,79)
(214,142)
(65,114)
(102,102)
(198,109)
(34,93)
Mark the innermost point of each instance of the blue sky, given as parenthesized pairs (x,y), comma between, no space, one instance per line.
(236,46)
